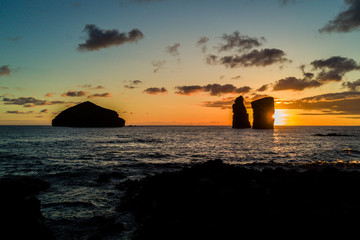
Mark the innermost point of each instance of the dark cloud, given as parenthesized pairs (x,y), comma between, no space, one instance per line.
(352,85)
(133,84)
(345,21)
(14,39)
(4,88)
(284,2)
(44,111)
(98,38)
(236,77)
(173,50)
(5,70)
(158,65)
(343,103)
(96,95)
(334,68)
(263,88)
(19,112)
(212,89)
(238,42)
(295,84)
(89,86)
(225,103)
(29,101)
(71,93)
(258,58)
(155,90)
(202,43)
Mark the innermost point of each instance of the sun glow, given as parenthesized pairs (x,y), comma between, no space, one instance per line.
(280,117)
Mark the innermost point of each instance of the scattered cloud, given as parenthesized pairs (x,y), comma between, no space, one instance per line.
(334,68)
(155,90)
(257,58)
(96,95)
(14,39)
(19,112)
(295,84)
(343,103)
(352,85)
(5,70)
(173,50)
(133,84)
(225,103)
(44,111)
(4,88)
(263,88)
(346,21)
(202,43)
(212,89)
(236,77)
(99,38)
(90,87)
(238,42)
(29,101)
(71,93)
(49,94)
(158,65)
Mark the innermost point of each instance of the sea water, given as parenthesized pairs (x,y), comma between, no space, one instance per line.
(72,159)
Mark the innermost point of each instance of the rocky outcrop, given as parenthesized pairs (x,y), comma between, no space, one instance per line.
(20,209)
(263,112)
(240,116)
(88,114)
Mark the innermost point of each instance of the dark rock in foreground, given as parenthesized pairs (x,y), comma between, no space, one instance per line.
(88,114)
(263,112)
(219,201)
(20,209)
(240,117)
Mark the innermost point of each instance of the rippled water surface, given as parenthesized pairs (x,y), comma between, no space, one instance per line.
(72,159)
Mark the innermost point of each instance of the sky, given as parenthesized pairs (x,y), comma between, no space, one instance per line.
(180,62)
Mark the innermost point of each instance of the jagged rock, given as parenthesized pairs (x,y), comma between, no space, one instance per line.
(263,112)
(240,117)
(88,114)
(21,217)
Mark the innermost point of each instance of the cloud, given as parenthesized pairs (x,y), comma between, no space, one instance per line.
(158,65)
(19,112)
(352,85)
(173,50)
(49,94)
(133,84)
(5,70)
(212,89)
(346,21)
(343,103)
(155,90)
(225,103)
(89,86)
(295,84)
(334,68)
(263,88)
(44,111)
(238,42)
(236,77)
(202,43)
(96,95)
(29,101)
(71,93)
(258,58)
(98,38)
(4,88)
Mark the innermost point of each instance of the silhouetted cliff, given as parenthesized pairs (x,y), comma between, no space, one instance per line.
(263,112)
(88,114)
(240,117)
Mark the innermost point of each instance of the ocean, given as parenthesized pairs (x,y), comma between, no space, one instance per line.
(73,160)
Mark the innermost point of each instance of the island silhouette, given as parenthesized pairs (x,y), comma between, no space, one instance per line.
(88,114)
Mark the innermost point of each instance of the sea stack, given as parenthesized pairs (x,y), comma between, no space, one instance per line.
(88,114)
(240,117)
(263,112)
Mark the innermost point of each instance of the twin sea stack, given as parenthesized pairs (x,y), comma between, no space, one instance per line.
(263,111)
(88,114)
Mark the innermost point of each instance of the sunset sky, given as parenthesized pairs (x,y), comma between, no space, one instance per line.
(175,62)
